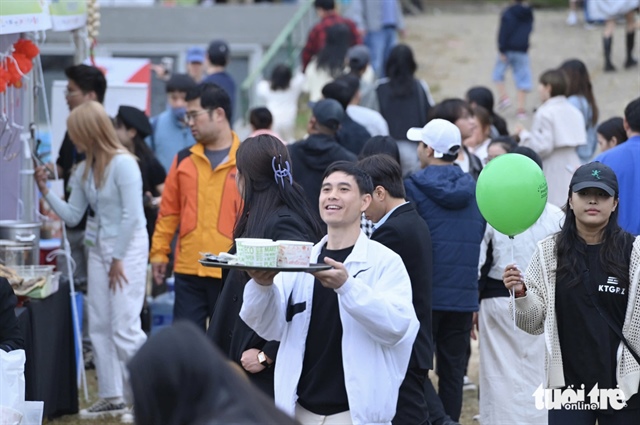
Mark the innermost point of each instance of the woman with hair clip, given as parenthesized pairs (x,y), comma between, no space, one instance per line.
(274,207)
(108,181)
(581,290)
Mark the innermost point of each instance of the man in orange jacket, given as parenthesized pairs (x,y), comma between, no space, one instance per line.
(200,198)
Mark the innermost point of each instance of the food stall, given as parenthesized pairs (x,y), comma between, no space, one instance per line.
(47,313)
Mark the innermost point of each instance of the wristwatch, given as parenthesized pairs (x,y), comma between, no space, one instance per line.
(262,359)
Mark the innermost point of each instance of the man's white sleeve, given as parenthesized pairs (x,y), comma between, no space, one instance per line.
(263,310)
(384,308)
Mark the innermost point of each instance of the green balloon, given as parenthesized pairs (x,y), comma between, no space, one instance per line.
(511,193)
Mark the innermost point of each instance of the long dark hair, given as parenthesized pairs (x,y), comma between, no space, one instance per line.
(400,68)
(140,147)
(331,57)
(579,83)
(264,192)
(571,250)
(280,77)
(482,96)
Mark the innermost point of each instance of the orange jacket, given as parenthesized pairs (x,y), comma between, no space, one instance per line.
(204,203)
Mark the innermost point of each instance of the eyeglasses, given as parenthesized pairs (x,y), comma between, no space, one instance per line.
(194,114)
(72,93)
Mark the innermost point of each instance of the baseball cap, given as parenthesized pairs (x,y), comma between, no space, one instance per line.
(358,57)
(328,112)
(218,50)
(134,118)
(595,175)
(440,135)
(195,54)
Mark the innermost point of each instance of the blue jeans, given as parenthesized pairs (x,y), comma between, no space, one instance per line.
(380,44)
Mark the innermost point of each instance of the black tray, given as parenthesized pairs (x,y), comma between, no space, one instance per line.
(313,267)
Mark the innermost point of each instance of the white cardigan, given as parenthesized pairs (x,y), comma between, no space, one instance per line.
(378,321)
(535,313)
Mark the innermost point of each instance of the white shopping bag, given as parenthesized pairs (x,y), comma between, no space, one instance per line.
(9,416)
(32,413)
(12,379)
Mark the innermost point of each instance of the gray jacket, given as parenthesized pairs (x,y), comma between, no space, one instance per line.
(368,14)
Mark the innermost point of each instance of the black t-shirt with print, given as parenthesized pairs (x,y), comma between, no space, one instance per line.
(321,388)
(589,346)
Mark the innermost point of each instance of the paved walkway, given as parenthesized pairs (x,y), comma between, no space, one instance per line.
(457,51)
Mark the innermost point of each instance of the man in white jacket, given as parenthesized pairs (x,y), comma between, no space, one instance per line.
(345,334)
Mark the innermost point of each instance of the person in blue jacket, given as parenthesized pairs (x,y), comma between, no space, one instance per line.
(170,133)
(624,159)
(444,196)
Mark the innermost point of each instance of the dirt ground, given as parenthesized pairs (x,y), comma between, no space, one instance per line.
(456,51)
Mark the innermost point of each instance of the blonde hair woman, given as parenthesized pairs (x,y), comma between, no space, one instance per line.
(109,182)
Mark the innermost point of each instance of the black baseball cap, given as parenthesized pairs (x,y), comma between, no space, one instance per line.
(358,57)
(218,51)
(328,112)
(136,119)
(595,175)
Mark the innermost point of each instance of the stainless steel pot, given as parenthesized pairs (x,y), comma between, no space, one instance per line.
(23,233)
(15,253)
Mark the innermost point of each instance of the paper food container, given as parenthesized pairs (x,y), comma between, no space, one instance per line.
(257,252)
(294,253)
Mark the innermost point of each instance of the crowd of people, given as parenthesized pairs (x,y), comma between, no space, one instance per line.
(383,183)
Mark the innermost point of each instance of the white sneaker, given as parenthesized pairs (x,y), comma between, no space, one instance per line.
(467,385)
(572,19)
(128,417)
(103,408)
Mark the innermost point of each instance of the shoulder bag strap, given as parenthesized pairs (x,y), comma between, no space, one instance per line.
(607,318)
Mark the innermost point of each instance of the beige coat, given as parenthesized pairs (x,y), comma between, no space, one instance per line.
(558,127)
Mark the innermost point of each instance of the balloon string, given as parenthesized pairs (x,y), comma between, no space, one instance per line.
(513,290)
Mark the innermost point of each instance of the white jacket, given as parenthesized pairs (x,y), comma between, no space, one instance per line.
(536,313)
(378,321)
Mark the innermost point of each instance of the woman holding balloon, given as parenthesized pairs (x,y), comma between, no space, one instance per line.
(581,290)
